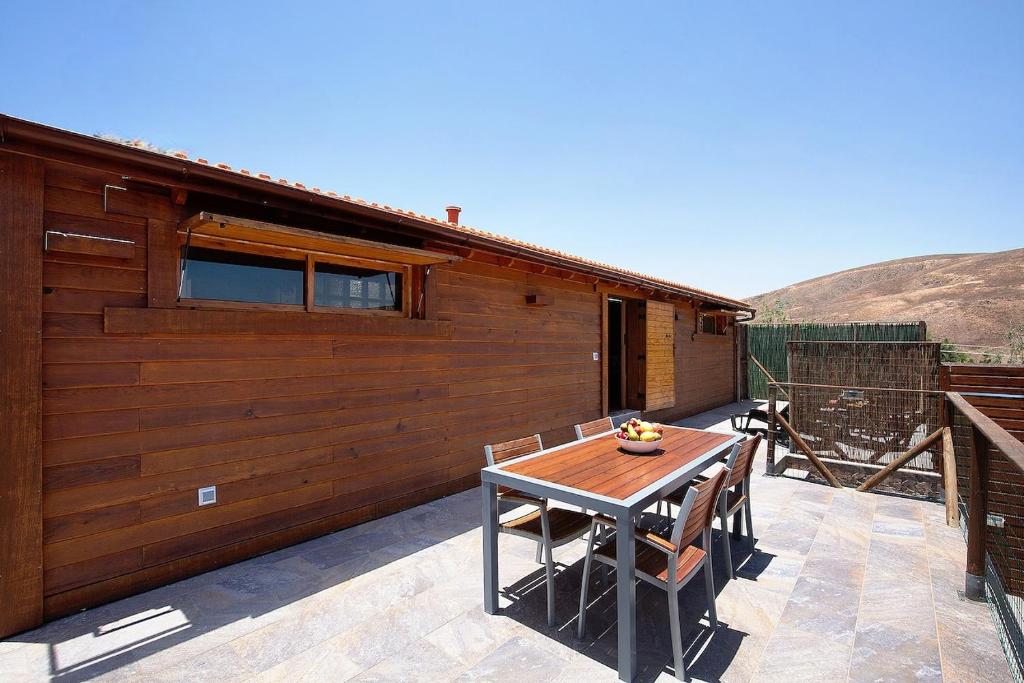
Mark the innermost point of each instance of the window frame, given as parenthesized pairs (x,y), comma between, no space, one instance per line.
(309,259)
(382,266)
(721,322)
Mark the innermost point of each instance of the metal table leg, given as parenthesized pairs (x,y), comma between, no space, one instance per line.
(490,530)
(625,554)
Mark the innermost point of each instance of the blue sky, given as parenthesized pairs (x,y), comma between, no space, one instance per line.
(734,146)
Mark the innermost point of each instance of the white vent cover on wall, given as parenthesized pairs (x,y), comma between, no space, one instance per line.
(208,495)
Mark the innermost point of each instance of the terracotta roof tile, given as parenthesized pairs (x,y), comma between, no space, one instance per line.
(655,282)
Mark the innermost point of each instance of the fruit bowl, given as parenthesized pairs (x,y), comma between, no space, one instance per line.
(638,436)
(638,446)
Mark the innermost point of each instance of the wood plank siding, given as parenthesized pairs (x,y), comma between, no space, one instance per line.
(21,229)
(305,424)
(661,387)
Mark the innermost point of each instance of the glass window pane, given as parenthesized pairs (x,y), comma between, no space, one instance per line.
(347,287)
(233,276)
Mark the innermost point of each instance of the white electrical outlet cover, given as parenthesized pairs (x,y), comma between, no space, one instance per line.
(208,495)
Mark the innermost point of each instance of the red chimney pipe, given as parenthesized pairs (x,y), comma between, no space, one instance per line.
(453,214)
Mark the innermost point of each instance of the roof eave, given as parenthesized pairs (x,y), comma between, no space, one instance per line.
(12,127)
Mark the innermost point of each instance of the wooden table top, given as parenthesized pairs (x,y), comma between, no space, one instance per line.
(599,466)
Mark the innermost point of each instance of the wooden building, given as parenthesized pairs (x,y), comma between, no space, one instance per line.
(171,325)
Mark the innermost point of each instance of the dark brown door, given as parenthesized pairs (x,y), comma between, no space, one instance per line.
(635,353)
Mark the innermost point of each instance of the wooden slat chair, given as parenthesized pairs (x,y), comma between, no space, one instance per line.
(735,495)
(549,527)
(668,563)
(602,426)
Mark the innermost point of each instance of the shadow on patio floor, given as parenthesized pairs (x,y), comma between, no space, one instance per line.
(707,652)
(233,600)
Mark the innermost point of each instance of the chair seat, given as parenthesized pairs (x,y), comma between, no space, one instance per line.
(507,492)
(732,499)
(654,562)
(565,524)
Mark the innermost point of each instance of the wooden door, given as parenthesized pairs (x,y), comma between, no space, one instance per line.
(660,356)
(636,353)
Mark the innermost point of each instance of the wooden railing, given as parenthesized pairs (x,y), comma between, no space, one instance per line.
(882,424)
(979,440)
(985,435)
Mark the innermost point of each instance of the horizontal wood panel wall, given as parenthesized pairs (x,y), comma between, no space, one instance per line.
(302,434)
(705,371)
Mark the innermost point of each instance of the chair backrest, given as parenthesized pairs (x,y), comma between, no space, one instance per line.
(698,509)
(586,429)
(499,452)
(744,461)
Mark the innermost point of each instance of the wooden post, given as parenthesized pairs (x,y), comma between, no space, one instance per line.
(977,516)
(770,459)
(767,374)
(603,299)
(811,455)
(163,263)
(949,483)
(902,460)
(21,453)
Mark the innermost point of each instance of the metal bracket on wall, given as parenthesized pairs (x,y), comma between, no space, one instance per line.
(106,191)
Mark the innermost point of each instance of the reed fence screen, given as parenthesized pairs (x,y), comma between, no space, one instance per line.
(767,343)
(857,431)
(861,405)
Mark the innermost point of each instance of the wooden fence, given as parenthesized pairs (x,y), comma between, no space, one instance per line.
(990,464)
(976,448)
(997,392)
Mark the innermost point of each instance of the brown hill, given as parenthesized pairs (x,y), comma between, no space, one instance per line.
(969,298)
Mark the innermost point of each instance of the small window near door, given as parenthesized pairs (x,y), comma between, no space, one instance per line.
(338,286)
(212,274)
(708,323)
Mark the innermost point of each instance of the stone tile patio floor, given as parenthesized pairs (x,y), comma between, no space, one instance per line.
(842,586)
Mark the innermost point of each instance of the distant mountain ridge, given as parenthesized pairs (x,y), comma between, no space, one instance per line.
(969,298)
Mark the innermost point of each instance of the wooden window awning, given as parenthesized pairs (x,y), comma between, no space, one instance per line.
(246,231)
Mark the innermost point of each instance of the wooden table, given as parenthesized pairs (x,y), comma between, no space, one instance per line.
(595,474)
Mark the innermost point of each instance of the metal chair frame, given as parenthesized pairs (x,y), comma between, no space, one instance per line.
(671,549)
(724,511)
(545,544)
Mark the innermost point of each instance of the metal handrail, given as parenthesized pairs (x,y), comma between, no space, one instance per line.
(850,386)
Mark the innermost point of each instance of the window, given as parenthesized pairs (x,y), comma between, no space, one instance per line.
(712,324)
(707,324)
(212,274)
(238,263)
(338,286)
